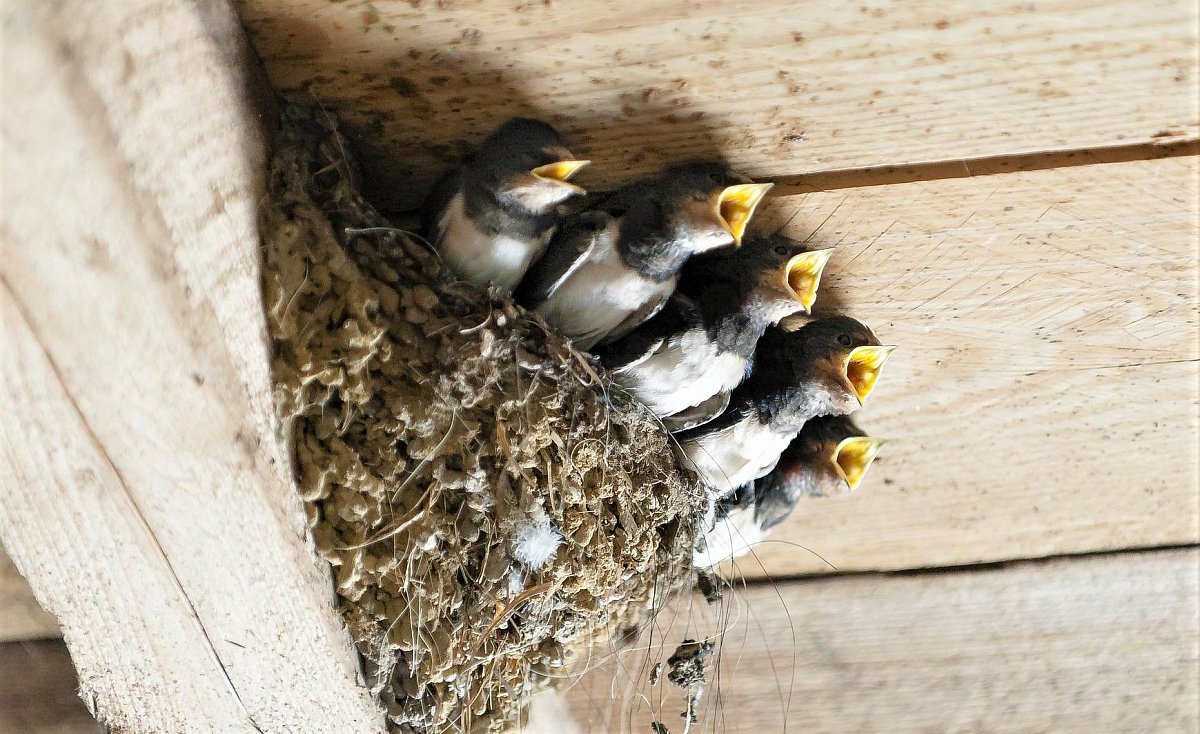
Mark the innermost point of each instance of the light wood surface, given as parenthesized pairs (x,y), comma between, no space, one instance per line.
(1103,643)
(145,497)
(1044,396)
(782,87)
(1099,644)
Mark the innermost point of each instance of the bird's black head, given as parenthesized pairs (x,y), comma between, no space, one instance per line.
(526,163)
(829,457)
(521,133)
(779,274)
(702,205)
(701,176)
(709,204)
(834,361)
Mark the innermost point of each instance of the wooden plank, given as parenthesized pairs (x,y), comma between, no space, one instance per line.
(21,618)
(781,88)
(1090,644)
(1098,644)
(37,691)
(1009,397)
(1044,397)
(145,496)
(97,567)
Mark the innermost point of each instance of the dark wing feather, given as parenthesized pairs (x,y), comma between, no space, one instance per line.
(678,315)
(741,407)
(646,312)
(436,202)
(773,503)
(572,242)
(697,415)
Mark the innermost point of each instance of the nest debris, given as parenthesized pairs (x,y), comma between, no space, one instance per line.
(688,669)
(431,425)
(689,663)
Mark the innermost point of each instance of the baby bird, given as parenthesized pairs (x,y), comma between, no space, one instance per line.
(684,362)
(829,458)
(827,367)
(609,269)
(493,215)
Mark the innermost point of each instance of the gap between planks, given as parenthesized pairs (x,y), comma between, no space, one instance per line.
(853,178)
(1105,643)
(740,581)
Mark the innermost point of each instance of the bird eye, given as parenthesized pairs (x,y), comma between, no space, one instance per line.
(781,250)
(715,177)
(845,340)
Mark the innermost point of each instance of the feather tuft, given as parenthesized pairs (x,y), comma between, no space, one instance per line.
(536,543)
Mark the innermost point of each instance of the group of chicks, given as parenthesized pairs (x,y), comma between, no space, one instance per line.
(656,280)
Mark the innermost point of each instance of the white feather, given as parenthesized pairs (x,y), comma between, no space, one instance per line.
(685,371)
(727,459)
(480,258)
(730,537)
(537,541)
(548,714)
(601,293)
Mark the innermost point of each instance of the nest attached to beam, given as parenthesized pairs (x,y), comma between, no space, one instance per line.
(431,423)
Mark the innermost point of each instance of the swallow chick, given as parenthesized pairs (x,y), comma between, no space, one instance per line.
(609,269)
(494,214)
(685,361)
(830,457)
(829,366)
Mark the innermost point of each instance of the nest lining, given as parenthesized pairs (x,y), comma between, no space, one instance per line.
(432,426)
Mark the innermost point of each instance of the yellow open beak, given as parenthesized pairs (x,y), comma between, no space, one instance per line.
(853,457)
(560,172)
(802,276)
(736,204)
(862,369)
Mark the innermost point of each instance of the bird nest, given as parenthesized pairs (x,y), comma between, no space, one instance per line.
(431,425)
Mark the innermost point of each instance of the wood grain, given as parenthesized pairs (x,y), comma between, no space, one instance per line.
(145,494)
(1105,643)
(1044,397)
(1099,644)
(782,88)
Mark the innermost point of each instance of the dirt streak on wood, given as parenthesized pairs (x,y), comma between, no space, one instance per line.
(784,89)
(1100,644)
(146,498)
(1044,397)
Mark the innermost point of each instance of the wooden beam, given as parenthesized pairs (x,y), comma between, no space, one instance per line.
(1044,397)
(1105,643)
(147,498)
(782,89)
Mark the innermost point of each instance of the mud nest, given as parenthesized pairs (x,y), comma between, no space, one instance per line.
(431,426)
